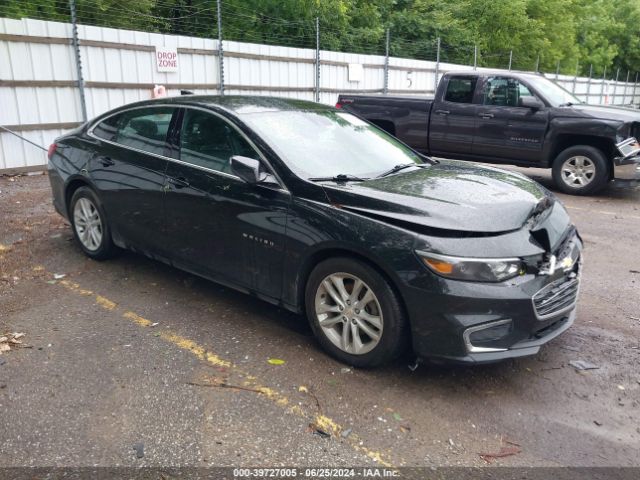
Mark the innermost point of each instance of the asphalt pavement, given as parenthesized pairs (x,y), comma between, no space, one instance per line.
(131,352)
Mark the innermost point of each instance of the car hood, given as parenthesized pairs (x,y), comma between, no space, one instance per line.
(607,112)
(451,195)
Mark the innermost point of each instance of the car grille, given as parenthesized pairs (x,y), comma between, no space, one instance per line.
(556,298)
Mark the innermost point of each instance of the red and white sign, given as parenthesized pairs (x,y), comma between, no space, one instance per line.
(166,59)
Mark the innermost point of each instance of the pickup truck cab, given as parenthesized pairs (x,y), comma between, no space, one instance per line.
(513,118)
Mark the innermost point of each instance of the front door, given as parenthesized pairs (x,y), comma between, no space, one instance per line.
(453,117)
(220,226)
(506,131)
(129,174)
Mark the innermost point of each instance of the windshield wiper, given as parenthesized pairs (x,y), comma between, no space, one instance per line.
(567,104)
(402,166)
(342,177)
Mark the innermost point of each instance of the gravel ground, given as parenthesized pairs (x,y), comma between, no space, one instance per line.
(131,351)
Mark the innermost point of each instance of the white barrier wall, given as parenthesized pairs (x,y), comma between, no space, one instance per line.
(39,97)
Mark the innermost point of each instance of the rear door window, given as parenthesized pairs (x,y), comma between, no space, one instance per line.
(209,141)
(145,128)
(460,89)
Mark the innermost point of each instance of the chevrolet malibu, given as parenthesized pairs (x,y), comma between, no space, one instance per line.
(317,211)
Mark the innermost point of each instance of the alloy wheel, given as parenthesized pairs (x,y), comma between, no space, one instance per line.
(349,313)
(578,171)
(88,225)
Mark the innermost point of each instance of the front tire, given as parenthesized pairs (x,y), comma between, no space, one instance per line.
(89,224)
(581,170)
(354,313)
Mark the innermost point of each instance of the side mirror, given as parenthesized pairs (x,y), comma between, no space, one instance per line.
(530,102)
(248,169)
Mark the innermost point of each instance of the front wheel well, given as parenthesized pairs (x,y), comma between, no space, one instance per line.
(605,145)
(326,254)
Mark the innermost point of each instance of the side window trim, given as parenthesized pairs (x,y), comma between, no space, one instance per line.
(94,125)
(177,129)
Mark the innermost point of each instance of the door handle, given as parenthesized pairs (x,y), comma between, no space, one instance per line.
(107,162)
(179,182)
(443,112)
(485,115)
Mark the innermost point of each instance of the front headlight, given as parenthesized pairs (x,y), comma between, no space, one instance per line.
(473,269)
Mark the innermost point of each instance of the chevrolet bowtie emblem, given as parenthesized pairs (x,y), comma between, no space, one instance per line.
(566,263)
(549,269)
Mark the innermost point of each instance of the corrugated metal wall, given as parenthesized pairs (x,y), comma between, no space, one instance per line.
(39,98)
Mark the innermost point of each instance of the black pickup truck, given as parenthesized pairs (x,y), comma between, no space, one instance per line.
(513,118)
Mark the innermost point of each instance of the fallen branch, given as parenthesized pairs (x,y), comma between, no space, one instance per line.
(504,452)
(224,385)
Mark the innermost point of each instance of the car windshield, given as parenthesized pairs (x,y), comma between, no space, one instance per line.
(326,143)
(552,92)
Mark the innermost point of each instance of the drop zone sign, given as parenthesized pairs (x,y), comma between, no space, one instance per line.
(166,59)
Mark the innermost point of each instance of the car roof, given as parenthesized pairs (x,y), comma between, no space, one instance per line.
(239,104)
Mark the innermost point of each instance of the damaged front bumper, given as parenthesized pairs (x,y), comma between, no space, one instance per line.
(626,167)
(473,322)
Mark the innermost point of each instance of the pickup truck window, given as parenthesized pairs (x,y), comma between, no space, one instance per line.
(460,89)
(502,91)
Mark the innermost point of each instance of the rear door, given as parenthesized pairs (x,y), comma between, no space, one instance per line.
(217,224)
(128,168)
(453,117)
(506,131)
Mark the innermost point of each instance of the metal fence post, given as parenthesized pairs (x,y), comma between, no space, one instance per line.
(510,58)
(604,76)
(589,81)
(220,49)
(435,83)
(624,92)
(385,87)
(475,56)
(76,51)
(615,87)
(317,92)
(538,63)
(557,70)
(575,79)
(635,85)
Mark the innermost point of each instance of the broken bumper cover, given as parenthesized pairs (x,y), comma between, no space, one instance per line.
(485,323)
(626,167)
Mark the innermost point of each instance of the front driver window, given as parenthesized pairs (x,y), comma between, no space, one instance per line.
(504,92)
(208,141)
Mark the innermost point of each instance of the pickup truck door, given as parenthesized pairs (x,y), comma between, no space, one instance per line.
(453,116)
(505,131)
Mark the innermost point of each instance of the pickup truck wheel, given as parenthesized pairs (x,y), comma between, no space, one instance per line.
(581,170)
(354,313)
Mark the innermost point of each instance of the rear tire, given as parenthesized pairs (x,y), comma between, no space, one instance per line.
(581,170)
(89,225)
(344,293)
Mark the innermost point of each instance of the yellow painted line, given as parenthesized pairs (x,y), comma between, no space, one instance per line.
(320,420)
(105,303)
